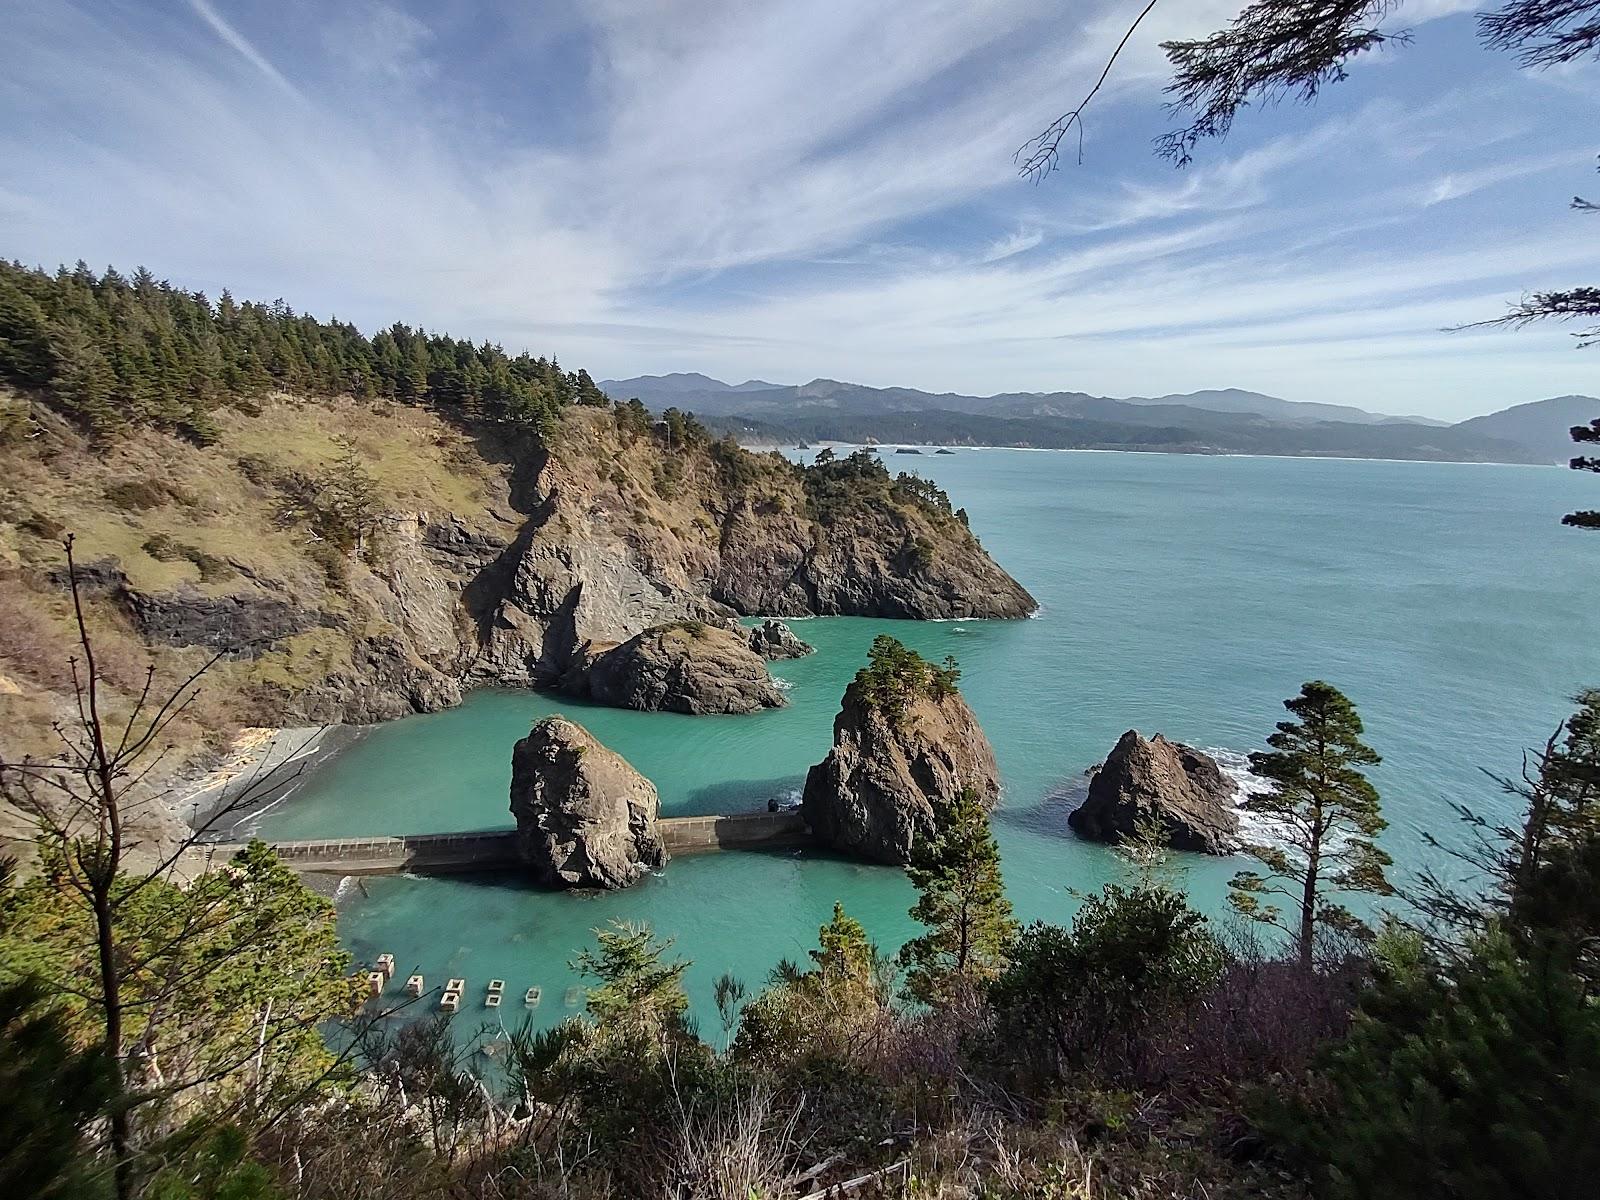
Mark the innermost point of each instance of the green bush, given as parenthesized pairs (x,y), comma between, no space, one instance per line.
(1476,1079)
(896,675)
(1089,993)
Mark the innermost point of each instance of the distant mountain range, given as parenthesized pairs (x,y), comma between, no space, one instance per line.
(1543,427)
(1221,421)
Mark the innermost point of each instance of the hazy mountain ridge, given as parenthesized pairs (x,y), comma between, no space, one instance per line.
(1228,420)
(1542,426)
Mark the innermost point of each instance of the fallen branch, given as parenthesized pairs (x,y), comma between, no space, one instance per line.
(850,1185)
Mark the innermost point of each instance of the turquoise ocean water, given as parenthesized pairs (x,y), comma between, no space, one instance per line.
(1187,595)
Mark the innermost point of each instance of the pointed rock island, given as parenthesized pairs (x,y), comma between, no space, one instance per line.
(773,640)
(903,739)
(1183,791)
(585,817)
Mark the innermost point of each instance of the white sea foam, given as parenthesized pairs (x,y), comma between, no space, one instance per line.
(1253,826)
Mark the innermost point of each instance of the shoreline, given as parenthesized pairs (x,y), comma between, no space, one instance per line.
(263,767)
(890,447)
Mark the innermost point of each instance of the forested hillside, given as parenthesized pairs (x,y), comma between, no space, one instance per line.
(115,350)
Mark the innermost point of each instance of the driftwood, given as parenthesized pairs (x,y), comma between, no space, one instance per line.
(850,1185)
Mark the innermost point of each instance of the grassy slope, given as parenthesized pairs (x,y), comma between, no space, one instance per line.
(200,499)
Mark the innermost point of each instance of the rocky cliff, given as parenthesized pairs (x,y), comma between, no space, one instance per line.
(358,561)
(896,749)
(585,817)
(1174,789)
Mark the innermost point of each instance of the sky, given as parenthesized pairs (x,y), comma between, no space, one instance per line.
(788,190)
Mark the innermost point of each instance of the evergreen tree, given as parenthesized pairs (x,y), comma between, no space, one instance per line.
(1091,993)
(810,1015)
(1475,1078)
(636,992)
(1325,813)
(962,901)
(49,1091)
(25,353)
(113,352)
(843,953)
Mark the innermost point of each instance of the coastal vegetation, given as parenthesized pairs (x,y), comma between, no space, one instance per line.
(1325,815)
(181,1029)
(896,676)
(114,351)
(202,1033)
(1139,1049)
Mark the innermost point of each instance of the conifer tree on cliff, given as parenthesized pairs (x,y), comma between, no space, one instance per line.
(962,901)
(1324,815)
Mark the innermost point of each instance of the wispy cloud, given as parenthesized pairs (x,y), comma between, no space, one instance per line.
(237,41)
(794,189)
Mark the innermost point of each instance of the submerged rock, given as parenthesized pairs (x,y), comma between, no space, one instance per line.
(1181,790)
(873,796)
(687,667)
(585,817)
(775,640)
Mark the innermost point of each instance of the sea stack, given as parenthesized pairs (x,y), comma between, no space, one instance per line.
(585,817)
(1182,791)
(686,667)
(904,738)
(774,640)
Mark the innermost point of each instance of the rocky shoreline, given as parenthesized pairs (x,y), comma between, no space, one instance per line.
(262,768)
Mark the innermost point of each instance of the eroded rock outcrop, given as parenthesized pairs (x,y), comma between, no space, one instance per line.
(496,556)
(585,817)
(686,667)
(773,640)
(893,755)
(1182,791)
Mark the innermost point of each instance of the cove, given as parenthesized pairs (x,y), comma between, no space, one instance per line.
(1185,594)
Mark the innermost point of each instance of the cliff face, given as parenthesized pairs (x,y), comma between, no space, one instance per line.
(872,797)
(445,557)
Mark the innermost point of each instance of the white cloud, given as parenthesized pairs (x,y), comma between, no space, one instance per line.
(792,189)
(249,53)
(1019,241)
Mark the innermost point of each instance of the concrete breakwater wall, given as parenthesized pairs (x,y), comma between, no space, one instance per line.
(489,850)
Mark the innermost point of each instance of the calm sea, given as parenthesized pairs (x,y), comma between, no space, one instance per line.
(1187,595)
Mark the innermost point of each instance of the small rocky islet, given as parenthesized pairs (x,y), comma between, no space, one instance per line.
(686,667)
(1165,787)
(585,817)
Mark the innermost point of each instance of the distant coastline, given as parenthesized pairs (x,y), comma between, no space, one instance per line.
(768,445)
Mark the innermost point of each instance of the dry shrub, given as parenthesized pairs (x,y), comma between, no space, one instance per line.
(736,1147)
(1266,1018)
(31,644)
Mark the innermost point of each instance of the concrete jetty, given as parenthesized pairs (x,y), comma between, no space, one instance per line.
(441,853)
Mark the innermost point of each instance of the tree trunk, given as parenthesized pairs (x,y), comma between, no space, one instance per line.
(1308,916)
(111,991)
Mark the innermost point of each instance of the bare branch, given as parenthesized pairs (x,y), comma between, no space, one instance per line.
(1040,155)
